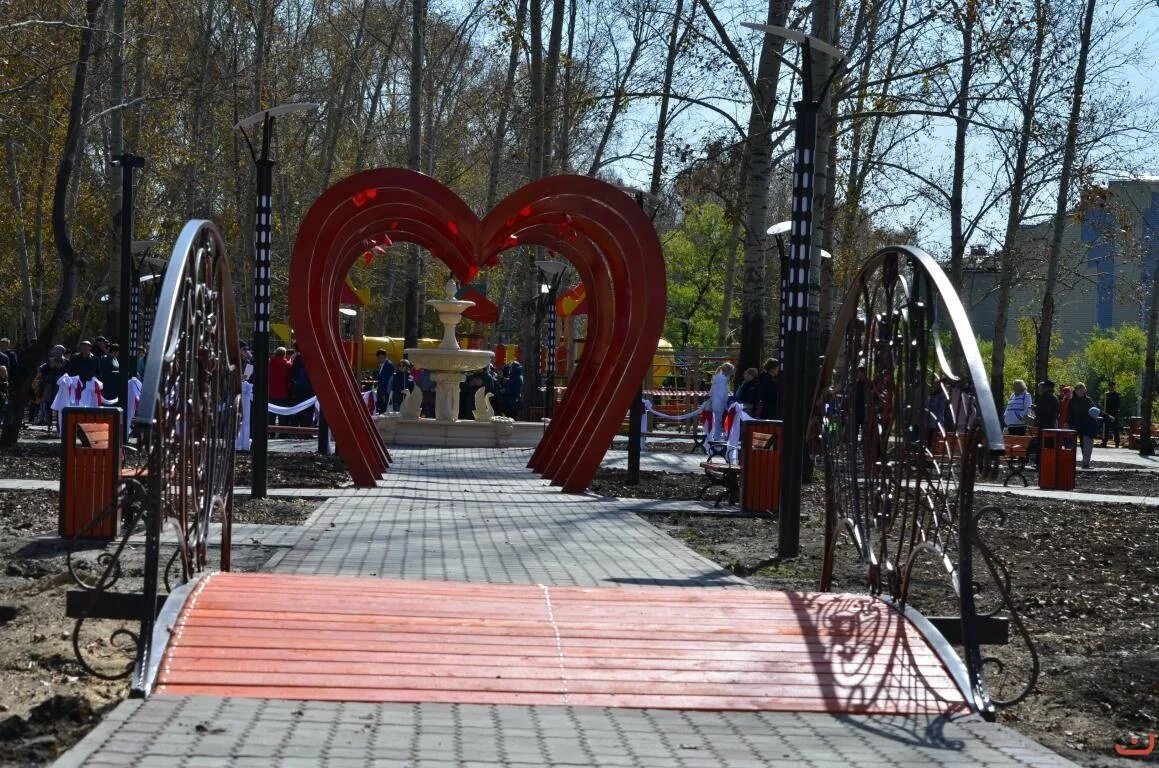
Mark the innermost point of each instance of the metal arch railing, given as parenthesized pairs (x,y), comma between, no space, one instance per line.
(186,422)
(188,417)
(904,420)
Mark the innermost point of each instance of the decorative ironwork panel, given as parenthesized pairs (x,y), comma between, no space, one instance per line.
(189,410)
(186,422)
(905,420)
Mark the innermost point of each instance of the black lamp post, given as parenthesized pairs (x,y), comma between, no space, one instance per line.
(552,270)
(796,379)
(263,227)
(126,162)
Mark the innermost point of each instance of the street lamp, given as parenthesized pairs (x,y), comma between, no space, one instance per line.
(553,270)
(799,364)
(127,162)
(263,225)
(139,247)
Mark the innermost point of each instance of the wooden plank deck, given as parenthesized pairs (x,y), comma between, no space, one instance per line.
(377,640)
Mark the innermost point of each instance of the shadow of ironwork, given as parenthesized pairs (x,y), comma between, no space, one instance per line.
(904,420)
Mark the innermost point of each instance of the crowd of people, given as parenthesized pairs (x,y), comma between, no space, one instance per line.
(393,381)
(90,360)
(757,393)
(1073,408)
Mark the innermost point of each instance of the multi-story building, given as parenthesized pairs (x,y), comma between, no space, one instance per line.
(1110,248)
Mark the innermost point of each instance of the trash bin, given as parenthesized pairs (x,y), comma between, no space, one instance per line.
(760,463)
(90,471)
(1057,461)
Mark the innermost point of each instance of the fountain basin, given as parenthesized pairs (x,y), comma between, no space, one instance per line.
(450,360)
(501,433)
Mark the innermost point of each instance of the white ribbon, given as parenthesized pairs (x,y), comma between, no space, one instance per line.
(291,410)
(681,417)
(243,431)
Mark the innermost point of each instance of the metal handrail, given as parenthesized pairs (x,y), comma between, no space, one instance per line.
(904,425)
(188,415)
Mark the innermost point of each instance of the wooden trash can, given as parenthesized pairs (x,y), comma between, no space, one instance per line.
(1056,464)
(90,472)
(760,460)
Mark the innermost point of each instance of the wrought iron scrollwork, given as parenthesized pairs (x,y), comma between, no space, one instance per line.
(187,422)
(904,420)
(189,408)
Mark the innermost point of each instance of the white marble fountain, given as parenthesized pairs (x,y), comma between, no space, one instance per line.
(448,364)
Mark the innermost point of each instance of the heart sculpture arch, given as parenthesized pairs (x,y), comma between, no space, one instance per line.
(592,224)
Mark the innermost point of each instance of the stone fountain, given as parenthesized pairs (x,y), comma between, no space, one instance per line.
(448,364)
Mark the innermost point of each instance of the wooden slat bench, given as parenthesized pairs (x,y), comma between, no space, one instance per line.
(1016,453)
(721,475)
(1135,435)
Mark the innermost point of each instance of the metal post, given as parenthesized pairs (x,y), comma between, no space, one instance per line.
(795,320)
(549,406)
(323,434)
(127,162)
(259,435)
(635,437)
(134,314)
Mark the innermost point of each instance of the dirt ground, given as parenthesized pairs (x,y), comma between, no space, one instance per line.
(47,702)
(1085,577)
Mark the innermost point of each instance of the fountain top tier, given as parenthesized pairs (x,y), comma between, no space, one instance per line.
(449,357)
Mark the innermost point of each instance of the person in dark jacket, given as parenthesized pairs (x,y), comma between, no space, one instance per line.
(513,391)
(385,382)
(400,382)
(747,394)
(1084,419)
(1045,415)
(1112,402)
(83,364)
(768,389)
(109,372)
(9,358)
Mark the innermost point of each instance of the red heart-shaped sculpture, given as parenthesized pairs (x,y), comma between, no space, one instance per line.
(594,225)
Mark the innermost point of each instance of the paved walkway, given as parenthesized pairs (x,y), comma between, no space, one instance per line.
(432,519)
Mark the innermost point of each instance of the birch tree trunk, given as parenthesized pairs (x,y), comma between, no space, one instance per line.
(665,89)
(28,311)
(411,317)
(1046,320)
(505,106)
(961,125)
(1010,256)
(756,186)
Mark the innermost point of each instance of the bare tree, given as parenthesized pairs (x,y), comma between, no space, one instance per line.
(71,262)
(1046,321)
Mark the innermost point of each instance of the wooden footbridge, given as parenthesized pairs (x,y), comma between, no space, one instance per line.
(522,647)
(326,638)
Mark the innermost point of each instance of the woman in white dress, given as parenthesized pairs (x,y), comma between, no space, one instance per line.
(718,398)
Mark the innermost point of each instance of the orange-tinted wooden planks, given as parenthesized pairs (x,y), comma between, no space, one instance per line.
(261,635)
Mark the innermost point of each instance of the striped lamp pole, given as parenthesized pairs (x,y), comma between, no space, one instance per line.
(796,383)
(263,228)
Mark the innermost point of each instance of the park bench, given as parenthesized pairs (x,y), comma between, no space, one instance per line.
(719,474)
(1135,435)
(1016,454)
(284,429)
